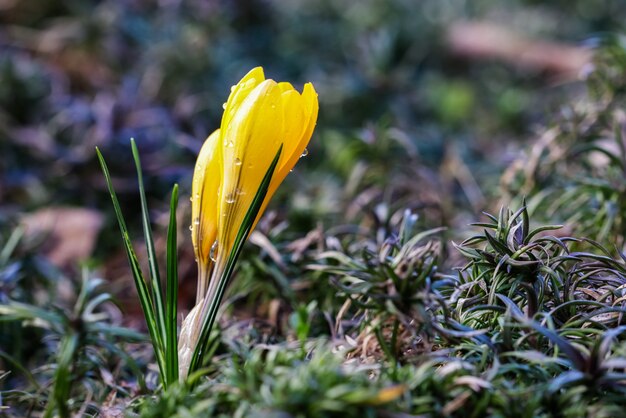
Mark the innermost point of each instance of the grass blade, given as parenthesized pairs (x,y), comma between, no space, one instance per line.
(140,284)
(63,376)
(171,292)
(155,278)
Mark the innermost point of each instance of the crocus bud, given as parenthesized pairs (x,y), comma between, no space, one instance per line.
(261,118)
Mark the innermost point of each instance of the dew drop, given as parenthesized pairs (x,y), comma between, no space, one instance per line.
(230,197)
(191,198)
(230,144)
(304,153)
(191,227)
(197,221)
(237,161)
(224,106)
(232,88)
(213,251)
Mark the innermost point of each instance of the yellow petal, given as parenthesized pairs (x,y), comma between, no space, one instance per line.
(297,140)
(249,144)
(309,95)
(240,91)
(285,86)
(204,205)
(300,120)
(295,123)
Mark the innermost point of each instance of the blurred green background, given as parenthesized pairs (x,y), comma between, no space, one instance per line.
(423,104)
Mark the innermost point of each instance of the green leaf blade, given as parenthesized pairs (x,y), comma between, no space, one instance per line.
(171,292)
(143,292)
(155,278)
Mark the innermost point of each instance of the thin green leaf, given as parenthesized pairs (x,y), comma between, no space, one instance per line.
(24,311)
(11,245)
(140,284)
(155,277)
(566,379)
(497,245)
(171,292)
(578,359)
(536,231)
(146,305)
(62,377)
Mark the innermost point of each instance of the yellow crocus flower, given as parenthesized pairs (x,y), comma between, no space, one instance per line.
(259,117)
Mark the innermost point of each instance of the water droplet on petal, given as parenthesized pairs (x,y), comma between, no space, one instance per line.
(304,153)
(191,227)
(237,161)
(213,251)
(224,106)
(191,198)
(230,197)
(196,221)
(232,88)
(230,144)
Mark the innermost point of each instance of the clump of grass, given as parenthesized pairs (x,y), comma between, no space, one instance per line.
(84,347)
(513,260)
(389,288)
(52,349)
(277,380)
(541,274)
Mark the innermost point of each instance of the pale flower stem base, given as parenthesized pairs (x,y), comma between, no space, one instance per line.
(192,324)
(187,340)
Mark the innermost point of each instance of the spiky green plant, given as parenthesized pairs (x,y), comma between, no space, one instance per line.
(390,289)
(82,340)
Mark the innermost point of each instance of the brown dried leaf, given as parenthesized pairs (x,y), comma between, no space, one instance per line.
(70,232)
